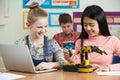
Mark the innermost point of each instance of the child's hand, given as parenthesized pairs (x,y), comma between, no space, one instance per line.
(97,68)
(103,69)
(66,53)
(46,65)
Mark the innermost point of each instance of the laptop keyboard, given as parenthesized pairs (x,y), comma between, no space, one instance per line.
(46,70)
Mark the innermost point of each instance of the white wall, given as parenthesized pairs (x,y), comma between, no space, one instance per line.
(12,30)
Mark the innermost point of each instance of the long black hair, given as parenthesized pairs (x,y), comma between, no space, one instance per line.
(96,13)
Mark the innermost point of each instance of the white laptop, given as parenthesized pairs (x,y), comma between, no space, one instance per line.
(18,58)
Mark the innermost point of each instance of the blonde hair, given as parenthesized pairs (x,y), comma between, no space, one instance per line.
(35,12)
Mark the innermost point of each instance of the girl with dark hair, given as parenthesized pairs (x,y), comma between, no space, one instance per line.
(95,32)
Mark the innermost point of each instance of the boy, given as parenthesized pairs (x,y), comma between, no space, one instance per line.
(66,38)
(68,35)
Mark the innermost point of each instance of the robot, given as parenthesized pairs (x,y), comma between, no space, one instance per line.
(84,66)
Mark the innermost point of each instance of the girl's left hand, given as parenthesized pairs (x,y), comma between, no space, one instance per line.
(103,69)
(97,68)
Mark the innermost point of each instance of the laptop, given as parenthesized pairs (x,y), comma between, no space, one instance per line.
(18,58)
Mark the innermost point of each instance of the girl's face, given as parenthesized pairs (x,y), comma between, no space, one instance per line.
(91,27)
(39,28)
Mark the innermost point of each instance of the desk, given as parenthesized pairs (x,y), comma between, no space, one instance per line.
(61,75)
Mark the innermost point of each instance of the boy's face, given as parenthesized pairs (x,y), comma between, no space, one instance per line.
(67,27)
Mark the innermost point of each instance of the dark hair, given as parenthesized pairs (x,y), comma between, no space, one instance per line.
(97,13)
(65,18)
(35,12)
